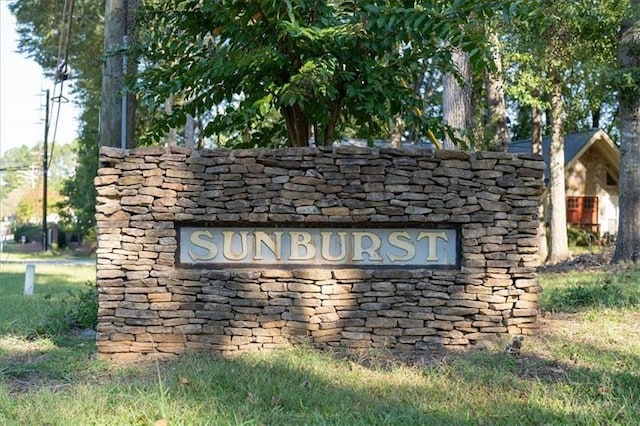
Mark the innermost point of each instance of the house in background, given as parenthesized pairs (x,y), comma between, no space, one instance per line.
(592,170)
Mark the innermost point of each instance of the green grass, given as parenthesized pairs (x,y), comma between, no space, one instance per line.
(591,290)
(58,291)
(581,369)
(12,251)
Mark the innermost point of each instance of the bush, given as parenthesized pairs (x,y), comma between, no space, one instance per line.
(580,237)
(30,231)
(78,311)
(83,309)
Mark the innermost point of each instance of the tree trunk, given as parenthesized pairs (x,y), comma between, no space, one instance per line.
(536,148)
(116,124)
(190,132)
(171,138)
(456,99)
(559,247)
(628,240)
(595,118)
(330,128)
(297,125)
(396,132)
(496,105)
(536,131)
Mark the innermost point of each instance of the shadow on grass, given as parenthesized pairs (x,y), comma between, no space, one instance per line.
(34,364)
(304,386)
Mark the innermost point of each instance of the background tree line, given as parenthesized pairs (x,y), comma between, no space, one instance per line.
(21,177)
(467,74)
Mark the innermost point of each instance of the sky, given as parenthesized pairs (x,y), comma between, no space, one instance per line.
(22,98)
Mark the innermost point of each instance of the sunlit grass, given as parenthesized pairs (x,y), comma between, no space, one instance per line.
(12,251)
(585,290)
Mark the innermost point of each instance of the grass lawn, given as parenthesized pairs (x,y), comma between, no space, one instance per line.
(581,369)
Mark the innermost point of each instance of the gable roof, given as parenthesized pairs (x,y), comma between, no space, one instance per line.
(575,145)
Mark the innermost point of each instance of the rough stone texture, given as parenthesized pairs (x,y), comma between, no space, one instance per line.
(151,307)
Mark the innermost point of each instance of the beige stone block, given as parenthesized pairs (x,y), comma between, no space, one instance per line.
(109,346)
(159,297)
(304,288)
(524,304)
(525,312)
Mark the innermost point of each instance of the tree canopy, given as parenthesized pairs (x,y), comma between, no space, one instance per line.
(312,68)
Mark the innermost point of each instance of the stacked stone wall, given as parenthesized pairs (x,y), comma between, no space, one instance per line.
(149,304)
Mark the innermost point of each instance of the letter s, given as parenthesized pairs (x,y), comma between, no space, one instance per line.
(197,238)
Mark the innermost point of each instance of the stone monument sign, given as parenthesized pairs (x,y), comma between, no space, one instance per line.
(226,251)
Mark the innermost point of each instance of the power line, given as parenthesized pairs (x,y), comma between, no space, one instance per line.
(62,67)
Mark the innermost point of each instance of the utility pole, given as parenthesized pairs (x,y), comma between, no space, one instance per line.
(45,172)
(117,108)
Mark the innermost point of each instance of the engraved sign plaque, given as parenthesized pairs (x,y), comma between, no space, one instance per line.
(318,246)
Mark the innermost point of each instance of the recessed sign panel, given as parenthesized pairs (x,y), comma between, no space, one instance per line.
(318,246)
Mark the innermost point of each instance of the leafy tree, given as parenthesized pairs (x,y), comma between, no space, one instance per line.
(554,43)
(310,67)
(29,207)
(628,242)
(15,165)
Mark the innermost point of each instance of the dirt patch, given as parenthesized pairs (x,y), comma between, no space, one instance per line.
(583,262)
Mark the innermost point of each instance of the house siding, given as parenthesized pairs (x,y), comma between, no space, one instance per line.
(588,177)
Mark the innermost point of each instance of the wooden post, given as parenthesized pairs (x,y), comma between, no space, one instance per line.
(29,279)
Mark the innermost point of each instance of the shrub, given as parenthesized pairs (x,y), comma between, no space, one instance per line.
(77,311)
(30,231)
(581,237)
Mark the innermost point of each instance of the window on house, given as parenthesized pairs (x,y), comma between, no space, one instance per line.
(572,203)
(589,203)
(611,181)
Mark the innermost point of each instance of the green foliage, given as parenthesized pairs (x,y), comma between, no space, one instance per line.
(30,231)
(581,237)
(76,310)
(627,78)
(81,308)
(575,40)
(326,66)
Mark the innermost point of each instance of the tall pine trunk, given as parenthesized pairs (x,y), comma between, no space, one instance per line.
(496,105)
(536,148)
(456,99)
(559,245)
(628,241)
